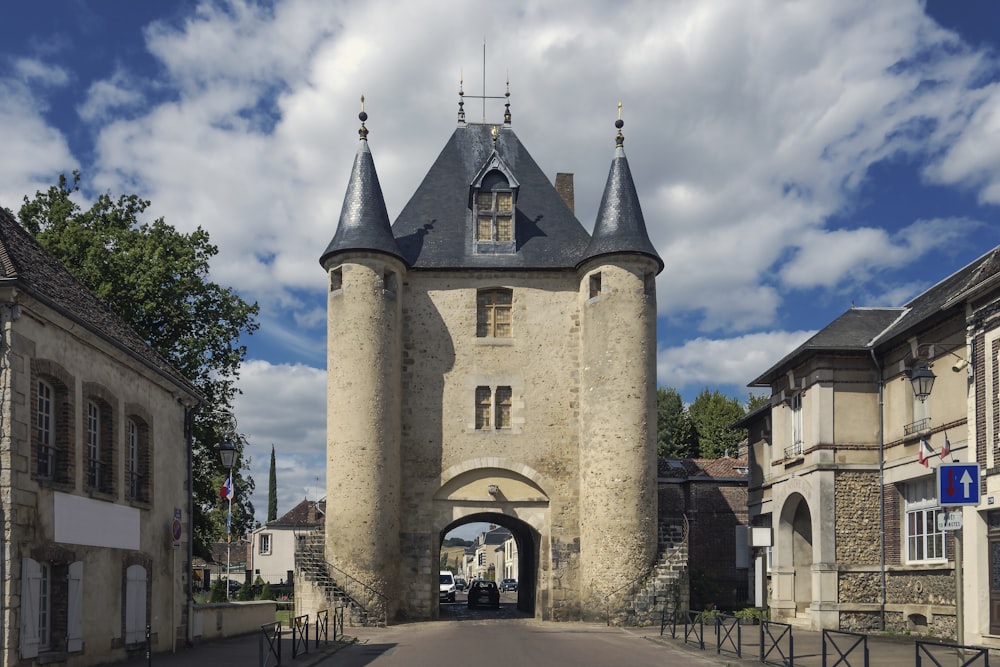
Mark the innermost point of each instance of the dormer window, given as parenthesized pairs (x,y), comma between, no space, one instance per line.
(493,200)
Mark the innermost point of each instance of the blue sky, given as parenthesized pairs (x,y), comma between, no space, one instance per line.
(791,158)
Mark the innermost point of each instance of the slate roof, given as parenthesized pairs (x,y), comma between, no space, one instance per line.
(620,226)
(863,329)
(435,228)
(26,265)
(853,331)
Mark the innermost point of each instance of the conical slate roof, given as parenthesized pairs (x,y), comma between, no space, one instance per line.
(364,221)
(620,227)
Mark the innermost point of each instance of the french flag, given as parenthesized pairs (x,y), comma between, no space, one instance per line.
(925,453)
(227,488)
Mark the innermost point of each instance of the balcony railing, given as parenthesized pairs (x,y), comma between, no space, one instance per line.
(97,477)
(47,457)
(137,487)
(917,426)
(793,450)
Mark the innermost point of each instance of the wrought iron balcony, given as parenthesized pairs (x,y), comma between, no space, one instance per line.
(917,426)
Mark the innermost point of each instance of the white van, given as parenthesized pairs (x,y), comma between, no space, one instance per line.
(447,586)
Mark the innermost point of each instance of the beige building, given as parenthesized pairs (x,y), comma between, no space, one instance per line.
(489,360)
(844,466)
(94,500)
(271,548)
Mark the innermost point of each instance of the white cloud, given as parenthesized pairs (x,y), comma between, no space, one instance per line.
(285,406)
(705,362)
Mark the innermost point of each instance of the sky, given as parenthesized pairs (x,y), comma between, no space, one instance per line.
(792,158)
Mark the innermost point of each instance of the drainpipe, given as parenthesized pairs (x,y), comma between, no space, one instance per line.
(881,489)
(189,437)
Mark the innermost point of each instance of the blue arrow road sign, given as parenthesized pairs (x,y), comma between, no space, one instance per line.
(958,484)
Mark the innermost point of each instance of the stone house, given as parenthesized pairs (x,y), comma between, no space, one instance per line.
(844,458)
(271,548)
(490,360)
(703,503)
(94,496)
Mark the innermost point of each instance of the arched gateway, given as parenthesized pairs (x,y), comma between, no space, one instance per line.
(488,359)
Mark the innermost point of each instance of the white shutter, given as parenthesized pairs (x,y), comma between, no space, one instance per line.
(135,604)
(31,579)
(74,620)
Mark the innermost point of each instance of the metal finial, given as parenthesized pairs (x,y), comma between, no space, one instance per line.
(461,97)
(363,131)
(619,138)
(506,106)
(494,131)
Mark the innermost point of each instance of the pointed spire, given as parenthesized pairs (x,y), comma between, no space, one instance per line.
(461,99)
(506,106)
(364,220)
(620,226)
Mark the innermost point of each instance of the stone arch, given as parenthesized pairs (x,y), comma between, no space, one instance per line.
(795,540)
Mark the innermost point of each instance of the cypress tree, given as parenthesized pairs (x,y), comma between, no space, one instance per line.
(272,491)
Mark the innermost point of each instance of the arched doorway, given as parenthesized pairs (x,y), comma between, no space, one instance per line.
(525,537)
(796,542)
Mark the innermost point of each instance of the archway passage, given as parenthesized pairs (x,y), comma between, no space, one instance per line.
(525,537)
(796,525)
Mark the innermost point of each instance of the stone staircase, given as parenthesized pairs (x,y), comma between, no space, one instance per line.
(664,589)
(364,606)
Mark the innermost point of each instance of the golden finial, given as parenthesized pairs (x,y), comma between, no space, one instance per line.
(494,131)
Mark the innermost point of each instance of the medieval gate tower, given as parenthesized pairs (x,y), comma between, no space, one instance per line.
(489,360)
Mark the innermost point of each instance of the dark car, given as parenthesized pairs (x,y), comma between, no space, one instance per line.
(484,593)
(460,584)
(508,585)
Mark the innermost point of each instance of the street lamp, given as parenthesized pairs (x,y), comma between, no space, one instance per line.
(922,379)
(227,452)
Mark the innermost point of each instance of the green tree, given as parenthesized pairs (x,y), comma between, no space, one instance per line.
(157,280)
(713,414)
(675,434)
(272,491)
(755,401)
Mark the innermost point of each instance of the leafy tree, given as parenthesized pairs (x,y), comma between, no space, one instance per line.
(675,434)
(156,279)
(713,414)
(218,590)
(755,401)
(272,491)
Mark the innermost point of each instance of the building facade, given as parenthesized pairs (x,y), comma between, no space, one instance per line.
(489,360)
(94,490)
(270,553)
(844,466)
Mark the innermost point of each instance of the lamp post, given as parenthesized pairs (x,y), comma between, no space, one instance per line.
(227,452)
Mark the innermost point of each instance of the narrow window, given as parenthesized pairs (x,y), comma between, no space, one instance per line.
(44,427)
(483,408)
(493,313)
(924,542)
(336,279)
(265,543)
(796,406)
(503,407)
(93,446)
(133,459)
(595,284)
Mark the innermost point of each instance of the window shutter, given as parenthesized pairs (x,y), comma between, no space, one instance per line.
(74,620)
(135,604)
(31,578)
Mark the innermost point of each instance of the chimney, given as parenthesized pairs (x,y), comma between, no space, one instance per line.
(564,186)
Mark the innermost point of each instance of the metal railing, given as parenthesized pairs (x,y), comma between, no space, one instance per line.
(725,628)
(270,644)
(694,626)
(970,655)
(300,635)
(917,426)
(773,636)
(845,643)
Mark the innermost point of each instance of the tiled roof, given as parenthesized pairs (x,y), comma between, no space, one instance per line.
(725,467)
(25,264)
(307,514)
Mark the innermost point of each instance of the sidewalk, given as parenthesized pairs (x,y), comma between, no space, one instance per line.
(242,651)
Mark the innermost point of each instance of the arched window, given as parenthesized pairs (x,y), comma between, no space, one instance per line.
(52,442)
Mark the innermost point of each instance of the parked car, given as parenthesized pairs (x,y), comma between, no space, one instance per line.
(483,593)
(461,584)
(447,587)
(508,585)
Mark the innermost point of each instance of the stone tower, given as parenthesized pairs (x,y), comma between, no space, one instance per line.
(489,360)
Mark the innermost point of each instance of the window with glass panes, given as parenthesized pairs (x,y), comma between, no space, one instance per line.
(93,445)
(923,539)
(484,408)
(503,407)
(493,409)
(493,313)
(495,215)
(45,428)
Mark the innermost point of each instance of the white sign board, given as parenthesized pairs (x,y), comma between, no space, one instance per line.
(949,520)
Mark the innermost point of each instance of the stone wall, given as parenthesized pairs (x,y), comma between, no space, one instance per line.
(855,494)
